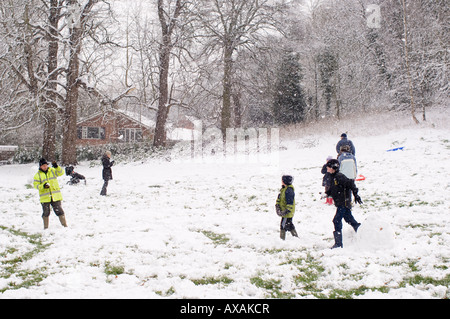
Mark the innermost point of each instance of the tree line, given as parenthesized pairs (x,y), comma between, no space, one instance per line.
(231,63)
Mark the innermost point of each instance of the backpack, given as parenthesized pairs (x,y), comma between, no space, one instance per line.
(348,165)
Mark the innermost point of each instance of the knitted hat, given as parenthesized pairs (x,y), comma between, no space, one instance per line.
(287,179)
(42,161)
(334,164)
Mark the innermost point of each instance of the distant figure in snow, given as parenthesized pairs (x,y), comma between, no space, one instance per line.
(326,180)
(46,182)
(344,141)
(347,163)
(107,171)
(75,177)
(285,206)
(341,189)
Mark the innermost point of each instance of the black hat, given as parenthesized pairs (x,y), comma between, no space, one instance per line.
(287,179)
(42,161)
(334,164)
(343,135)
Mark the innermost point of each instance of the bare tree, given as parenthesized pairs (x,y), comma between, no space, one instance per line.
(79,17)
(169,21)
(408,67)
(227,26)
(22,64)
(51,95)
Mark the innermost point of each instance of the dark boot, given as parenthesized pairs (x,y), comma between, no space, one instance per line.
(282,234)
(294,233)
(356,226)
(105,185)
(337,239)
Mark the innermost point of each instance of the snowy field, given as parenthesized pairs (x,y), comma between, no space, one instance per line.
(209,230)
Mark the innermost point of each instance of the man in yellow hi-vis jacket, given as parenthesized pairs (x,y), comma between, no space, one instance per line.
(46,182)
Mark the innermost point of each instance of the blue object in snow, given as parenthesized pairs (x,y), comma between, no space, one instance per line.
(396,149)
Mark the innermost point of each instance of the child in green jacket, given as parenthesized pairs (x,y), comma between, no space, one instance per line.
(285,206)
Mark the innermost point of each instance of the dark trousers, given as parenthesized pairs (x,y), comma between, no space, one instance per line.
(286,224)
(105,185)
(57,208)
(346,213)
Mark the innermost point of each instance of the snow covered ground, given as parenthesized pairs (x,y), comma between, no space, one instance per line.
(209,230)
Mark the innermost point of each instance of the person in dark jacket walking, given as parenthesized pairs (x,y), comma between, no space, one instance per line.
(341,189)
(107,171)
(345,141)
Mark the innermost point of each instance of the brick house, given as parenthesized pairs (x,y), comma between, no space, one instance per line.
(114,126)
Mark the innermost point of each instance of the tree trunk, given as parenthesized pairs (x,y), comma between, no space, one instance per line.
(160,131)
(226,95)
(69,146)
(69,152)
(50,107)
(408,70)
(237,108)
(164,64)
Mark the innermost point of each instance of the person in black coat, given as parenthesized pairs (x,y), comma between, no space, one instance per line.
(326,180)
(345,141)
(341,190)
(107,171)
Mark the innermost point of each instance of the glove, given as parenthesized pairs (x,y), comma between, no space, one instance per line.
(112,163)
(46,185)
(54,164)
(358,199)
(285,212)
(278,210)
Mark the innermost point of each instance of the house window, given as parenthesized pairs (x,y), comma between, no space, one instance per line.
(128,135)
(91,133)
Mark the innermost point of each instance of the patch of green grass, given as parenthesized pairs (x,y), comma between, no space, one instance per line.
(212,281)
(273,287)
(309,273)
(168,293)
(218,239)
(351,293)
(114,270)
(419,280)
(12,266)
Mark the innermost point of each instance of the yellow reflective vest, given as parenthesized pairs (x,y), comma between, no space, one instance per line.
(46,195)
(287,202)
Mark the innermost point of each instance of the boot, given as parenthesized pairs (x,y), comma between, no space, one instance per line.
(45,222)
(337,239)
(294,233)
(283,234)
(62,219)
(356,226)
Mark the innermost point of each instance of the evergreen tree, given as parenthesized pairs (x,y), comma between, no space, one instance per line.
(289,101)
(328,69)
